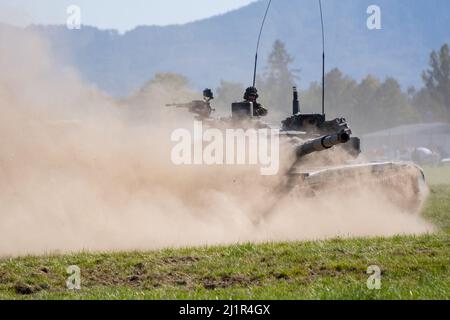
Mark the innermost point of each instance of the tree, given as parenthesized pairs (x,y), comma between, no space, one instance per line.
(430,109)
(279,80)
(391,107)
(437,78)
(168,80)
(339,95)
(149,100)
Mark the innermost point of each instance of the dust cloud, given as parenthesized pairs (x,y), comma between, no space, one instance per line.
(78,173)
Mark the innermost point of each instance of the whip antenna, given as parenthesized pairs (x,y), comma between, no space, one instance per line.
(259,39)
(323,58)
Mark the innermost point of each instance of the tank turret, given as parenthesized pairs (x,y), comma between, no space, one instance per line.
(312,125)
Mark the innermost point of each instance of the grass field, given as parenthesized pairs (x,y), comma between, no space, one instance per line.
(412,268)
(438,175)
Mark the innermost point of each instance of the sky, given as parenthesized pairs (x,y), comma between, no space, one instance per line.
(122,15)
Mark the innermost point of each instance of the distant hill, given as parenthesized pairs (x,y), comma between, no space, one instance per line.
(222,47)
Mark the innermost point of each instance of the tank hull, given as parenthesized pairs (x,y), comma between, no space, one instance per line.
(401,183)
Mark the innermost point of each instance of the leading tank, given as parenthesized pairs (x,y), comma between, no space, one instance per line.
(342,169)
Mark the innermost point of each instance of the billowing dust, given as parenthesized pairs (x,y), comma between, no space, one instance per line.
(78,172)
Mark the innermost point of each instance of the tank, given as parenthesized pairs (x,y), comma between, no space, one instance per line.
(201,109)
(317,170)
(401,183)
(327,157)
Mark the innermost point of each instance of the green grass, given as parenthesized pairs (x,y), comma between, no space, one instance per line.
(438,175)
(412,268)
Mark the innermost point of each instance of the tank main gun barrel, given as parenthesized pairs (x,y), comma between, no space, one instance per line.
(323,143)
